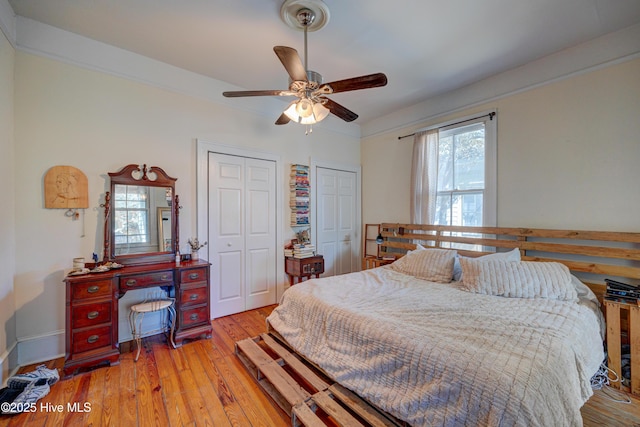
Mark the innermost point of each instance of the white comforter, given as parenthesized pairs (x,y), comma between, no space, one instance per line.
(434,355)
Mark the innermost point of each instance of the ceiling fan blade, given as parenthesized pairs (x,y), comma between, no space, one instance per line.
(283,119)
(340,111)
(292,62)
(355,83)
(236,94)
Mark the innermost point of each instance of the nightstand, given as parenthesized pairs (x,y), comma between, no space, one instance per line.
(303,268)
(372,261)
(622,326)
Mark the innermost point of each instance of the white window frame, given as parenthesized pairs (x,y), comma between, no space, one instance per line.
(490,196)
(146,210)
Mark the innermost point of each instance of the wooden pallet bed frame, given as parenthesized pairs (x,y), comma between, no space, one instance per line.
(311,398)
(302,390)
(591,255)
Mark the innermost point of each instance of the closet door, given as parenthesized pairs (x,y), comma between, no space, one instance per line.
(260,233)
(338,224)
(241,233)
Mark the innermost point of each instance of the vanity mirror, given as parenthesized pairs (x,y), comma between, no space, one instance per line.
(141,216)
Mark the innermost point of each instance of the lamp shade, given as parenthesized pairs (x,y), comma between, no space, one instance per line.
(306,112)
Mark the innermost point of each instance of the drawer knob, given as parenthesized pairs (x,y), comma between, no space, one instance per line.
(93,314)
(93,289)
(165,277)
(193,297)
(131,282)
(193,276)
(92,339)
(194,316)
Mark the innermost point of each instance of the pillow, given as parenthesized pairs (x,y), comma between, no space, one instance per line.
(435,265)
(523,279)
(512,255)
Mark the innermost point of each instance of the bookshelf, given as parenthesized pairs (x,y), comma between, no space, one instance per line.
(299,197)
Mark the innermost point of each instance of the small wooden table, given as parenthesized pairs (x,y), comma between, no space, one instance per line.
(616,328)
(371,261)
(303,268)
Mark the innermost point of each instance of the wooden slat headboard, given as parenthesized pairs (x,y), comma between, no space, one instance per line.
(591,255)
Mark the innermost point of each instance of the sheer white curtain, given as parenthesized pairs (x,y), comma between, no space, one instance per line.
(424,175)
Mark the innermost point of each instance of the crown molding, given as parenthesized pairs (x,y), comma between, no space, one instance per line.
(602,52)
(8,22)
(50,42)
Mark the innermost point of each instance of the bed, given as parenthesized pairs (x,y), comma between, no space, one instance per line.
(514,341)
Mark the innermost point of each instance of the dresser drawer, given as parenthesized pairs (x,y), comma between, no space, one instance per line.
(91,339)
(95,289)
(194,316)
(90,314)
(193,275)
(194,295)
(161,278)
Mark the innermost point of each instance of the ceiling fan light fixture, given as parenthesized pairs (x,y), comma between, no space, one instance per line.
(304,107)
(313,112)
(320,111)
(312,106)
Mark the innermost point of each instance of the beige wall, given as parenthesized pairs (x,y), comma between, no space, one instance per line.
(7,232)
(66,115)
(568,155)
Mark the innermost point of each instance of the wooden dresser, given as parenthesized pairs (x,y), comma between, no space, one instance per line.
(92,308)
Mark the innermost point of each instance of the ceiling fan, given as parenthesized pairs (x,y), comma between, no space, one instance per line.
(312,104)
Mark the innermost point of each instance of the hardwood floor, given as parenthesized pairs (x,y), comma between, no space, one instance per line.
(201,383)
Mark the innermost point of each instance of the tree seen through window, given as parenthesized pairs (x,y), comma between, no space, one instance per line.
(461,176)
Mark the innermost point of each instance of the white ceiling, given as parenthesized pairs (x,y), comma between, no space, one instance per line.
(425,48)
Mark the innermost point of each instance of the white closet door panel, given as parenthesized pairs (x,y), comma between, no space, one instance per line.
(230,203)
(337,222)
(347,219)
(226,233)
(257,264)
(260,236)
(229,274)
(327,220)
(258,205)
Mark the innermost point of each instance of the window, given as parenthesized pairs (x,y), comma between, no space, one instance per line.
(457,182)
(461,176)
(131,215)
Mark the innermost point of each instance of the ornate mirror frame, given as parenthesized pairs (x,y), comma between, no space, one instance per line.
(140,176)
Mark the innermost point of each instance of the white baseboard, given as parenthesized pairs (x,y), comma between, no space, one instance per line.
(8,363)
(46,347)
(41,348)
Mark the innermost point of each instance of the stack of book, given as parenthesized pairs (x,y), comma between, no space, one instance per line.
(299,195)
(622,292)
(304,251)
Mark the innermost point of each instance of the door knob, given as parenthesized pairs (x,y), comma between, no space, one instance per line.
(228,244)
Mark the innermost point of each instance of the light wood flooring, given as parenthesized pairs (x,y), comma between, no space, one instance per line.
(202,383)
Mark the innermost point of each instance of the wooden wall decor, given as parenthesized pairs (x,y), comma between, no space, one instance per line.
(65,187)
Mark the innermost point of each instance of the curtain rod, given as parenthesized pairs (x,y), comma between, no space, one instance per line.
(490,115)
